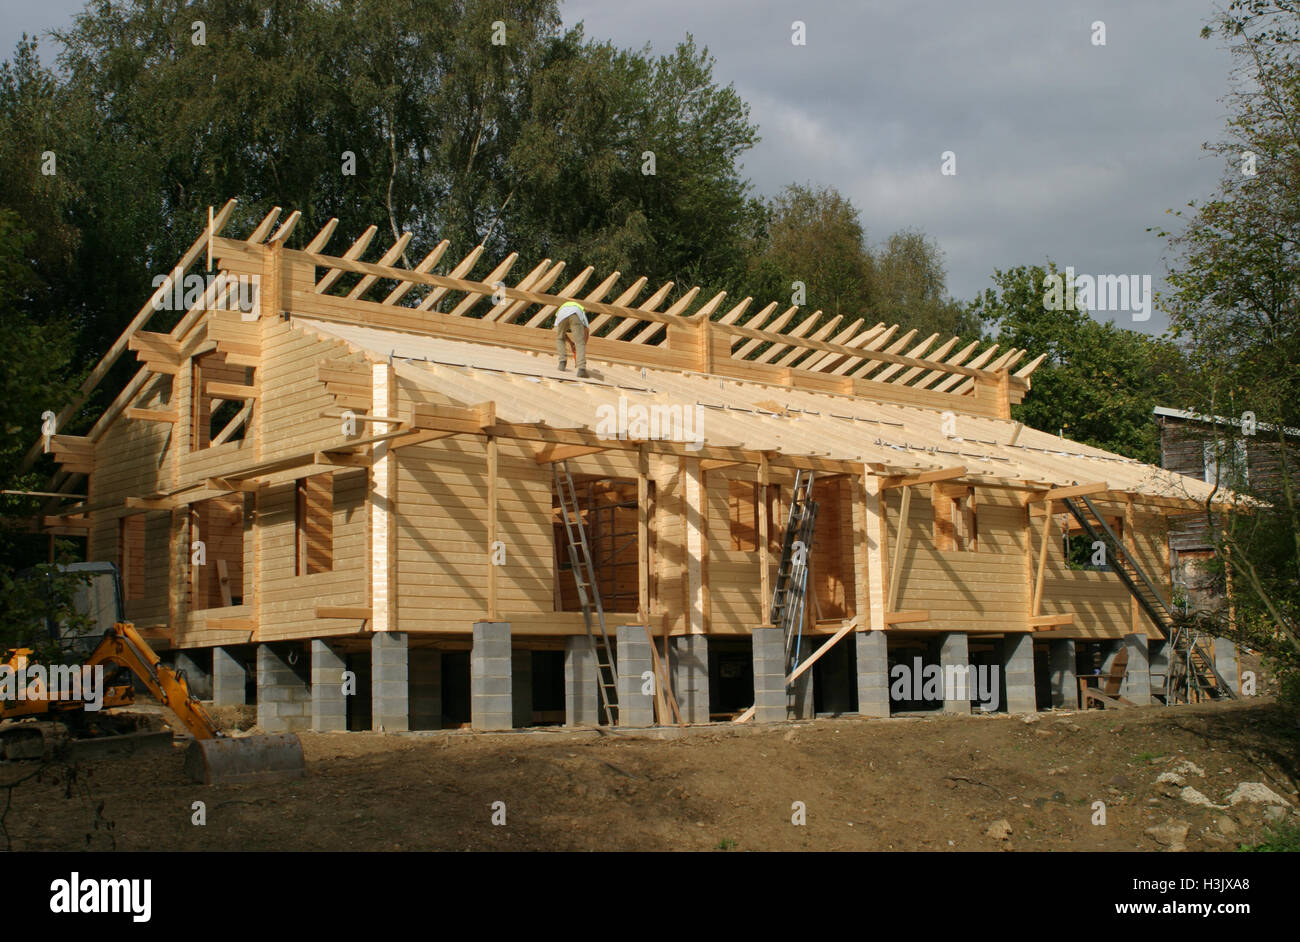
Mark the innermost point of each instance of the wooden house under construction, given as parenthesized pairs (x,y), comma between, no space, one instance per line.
(366,498)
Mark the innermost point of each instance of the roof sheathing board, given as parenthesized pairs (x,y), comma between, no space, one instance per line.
(530,391)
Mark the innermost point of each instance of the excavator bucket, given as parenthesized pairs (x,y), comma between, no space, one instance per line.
(227,760)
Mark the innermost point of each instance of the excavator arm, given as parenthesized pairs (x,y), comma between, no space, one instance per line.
(213,757)
(123,645)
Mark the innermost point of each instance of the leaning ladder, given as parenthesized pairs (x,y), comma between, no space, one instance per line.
(791,587)
(588,591)
(1190,666)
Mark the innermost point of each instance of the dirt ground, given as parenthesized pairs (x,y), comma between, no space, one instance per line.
(934,783)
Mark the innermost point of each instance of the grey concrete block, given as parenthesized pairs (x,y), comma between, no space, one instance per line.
(197,676)
(633,653)
(1018,673)
(491,677)
(389,681)
(1227,663)
(770,704)
(228,678)
(1137,674)
(328,706)
(581,694)
(954,651)
(873,673)
(283,693)
(689,666)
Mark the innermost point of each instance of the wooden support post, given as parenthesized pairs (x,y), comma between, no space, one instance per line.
(1135,624)
(492,527)
(896,570)
(694,511)
(1036,605)
(643,537)
(382,595)
(873,514)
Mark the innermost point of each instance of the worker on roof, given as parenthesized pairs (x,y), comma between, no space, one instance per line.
(571,322)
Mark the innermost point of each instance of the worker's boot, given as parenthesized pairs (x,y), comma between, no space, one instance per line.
(582,371)
(561,367)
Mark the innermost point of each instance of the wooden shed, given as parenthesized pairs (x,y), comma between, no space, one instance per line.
(343,494)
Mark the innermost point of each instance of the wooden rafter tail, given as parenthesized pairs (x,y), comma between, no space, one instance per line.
(914,371)
(357,249)
(1026,371)
(528,282)
(571,288)
(794,333)
(472,298)
(748,346)
(514,308)
(918,351)
(945,385)
(264,227)
(596,294)
(792,356)
(320,239)
(142,317)
(852,336)
(796,351)
(736,312)
(650,305)
(1001,363)
(837,364)
(820,361)
(460,271)
(426,264)
(286,228)
(957,359)
(758,318)
(388,258)
(866,368)
(676,309)
(627,297)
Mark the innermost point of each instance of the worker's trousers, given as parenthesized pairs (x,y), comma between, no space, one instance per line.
(578,331)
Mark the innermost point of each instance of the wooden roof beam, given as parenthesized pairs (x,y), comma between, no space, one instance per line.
(142,317)
(358,247)
(789,358)
(388,258)
(570,289)
(426,264)
(923,477)
(1074,490)
(319,240)
(474,297)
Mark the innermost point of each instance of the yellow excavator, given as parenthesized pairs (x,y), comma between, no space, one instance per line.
(212,758)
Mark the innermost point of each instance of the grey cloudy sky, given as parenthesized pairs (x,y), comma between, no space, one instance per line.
(1064,149)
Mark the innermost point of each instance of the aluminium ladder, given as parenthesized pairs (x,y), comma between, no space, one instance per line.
(1191,668)
(588,591)
(791,588)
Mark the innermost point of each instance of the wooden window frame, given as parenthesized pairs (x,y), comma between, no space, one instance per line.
(313,556)
(956,518)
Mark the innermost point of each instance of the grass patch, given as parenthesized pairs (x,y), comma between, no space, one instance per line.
(1285,838)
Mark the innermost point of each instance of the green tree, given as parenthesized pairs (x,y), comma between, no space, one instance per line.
(813,235)
(1235,301)
(1098,383)
(911,288)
